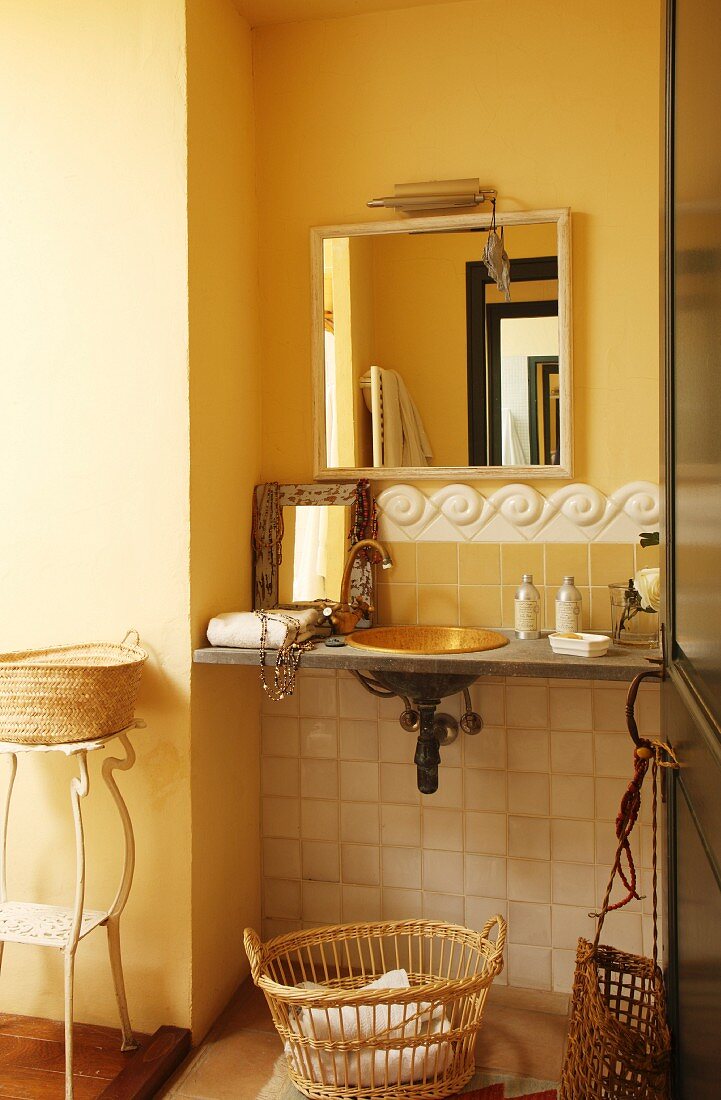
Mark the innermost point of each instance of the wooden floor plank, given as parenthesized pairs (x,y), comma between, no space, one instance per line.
(89,1060)
(33,1027)
(25,1084)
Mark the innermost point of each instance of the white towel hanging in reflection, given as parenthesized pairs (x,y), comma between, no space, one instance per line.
(511,446)
(400,438)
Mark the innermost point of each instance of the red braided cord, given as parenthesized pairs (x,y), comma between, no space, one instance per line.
(625,821)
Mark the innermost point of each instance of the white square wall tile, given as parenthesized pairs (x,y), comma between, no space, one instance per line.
(279,776)
(529,880)
(528,793)
(401,867)
(486,832)
(529,837)
(572,796)
(355,701)
(489,700)
(401,904)
(281,899)
(485,876)
(529,967)
(360,864)
(319,778)
(360,822)
(279,735)
(564,967)
(321,861)
(573,884)
(358,739)
(528,751)
(443,829)
(609,707)
(281,858)
(527,706)
(572,752)
(395,743)
(486,749)
(401,825)
(399,784)
(614,755)
(361,903)
(281,817)
(317,696)
(359,781)
(569,923)
(318,819)
(443,872)
(485,790)
(480,910)
(446,907)
(529,924)
(321,902)
(450,788)
(572,841)
(571,708)
(319,737)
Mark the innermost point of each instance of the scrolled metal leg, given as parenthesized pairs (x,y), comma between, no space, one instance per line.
(3,848)
(79,787)
(111,765)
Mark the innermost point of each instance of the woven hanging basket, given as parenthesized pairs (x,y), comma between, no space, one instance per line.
(343,1041)
(70,693)
(618,1040)
(619,1043)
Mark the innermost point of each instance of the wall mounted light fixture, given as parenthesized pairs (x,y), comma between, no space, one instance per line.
(436,195)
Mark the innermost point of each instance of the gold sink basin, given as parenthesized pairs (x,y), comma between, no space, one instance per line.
(426,640)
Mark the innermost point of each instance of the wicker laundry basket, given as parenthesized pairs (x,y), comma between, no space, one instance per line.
(343,1041)
(70,693)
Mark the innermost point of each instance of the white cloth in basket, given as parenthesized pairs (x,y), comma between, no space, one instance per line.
(414,1020)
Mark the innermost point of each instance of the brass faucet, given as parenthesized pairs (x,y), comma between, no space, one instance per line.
(345,615)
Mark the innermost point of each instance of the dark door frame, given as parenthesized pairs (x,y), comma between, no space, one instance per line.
(529,269)
(550,366)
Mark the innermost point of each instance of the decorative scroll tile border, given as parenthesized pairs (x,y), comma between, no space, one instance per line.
(518,513)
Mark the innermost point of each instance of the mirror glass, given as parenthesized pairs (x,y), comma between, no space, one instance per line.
(315,546)
(424,364)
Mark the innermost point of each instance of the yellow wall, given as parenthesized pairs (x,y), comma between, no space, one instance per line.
(348,107)
(224,449)
(94,454)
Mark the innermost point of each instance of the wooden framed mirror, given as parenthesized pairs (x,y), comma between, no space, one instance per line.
(422,370)
(301,542)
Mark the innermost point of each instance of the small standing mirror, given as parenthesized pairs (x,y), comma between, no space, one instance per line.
(422,368)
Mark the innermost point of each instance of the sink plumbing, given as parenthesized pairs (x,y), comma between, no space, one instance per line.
(433,728)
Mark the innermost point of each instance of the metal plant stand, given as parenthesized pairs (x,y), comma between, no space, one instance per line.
(64,927)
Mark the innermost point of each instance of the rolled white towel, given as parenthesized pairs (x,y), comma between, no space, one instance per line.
(242,629)
(395,1022)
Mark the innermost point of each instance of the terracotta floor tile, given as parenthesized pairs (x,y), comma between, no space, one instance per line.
(238,1057)
(516,1041)
(236,1067)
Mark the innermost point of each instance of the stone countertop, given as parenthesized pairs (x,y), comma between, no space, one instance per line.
(518,658)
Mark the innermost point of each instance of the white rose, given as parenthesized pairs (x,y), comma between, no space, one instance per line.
(648,583)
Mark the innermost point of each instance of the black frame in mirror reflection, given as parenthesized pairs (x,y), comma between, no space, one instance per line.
(484,354)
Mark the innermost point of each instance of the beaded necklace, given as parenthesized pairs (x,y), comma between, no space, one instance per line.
(289,654)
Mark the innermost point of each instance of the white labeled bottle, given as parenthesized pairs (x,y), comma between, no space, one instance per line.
(527,609)
(568,608)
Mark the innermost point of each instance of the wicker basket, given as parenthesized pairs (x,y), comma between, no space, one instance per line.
(618,1039)
(342,1040)
(619,1044)
(70,693)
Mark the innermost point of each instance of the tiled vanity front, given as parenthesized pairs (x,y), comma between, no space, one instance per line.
(522,822)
